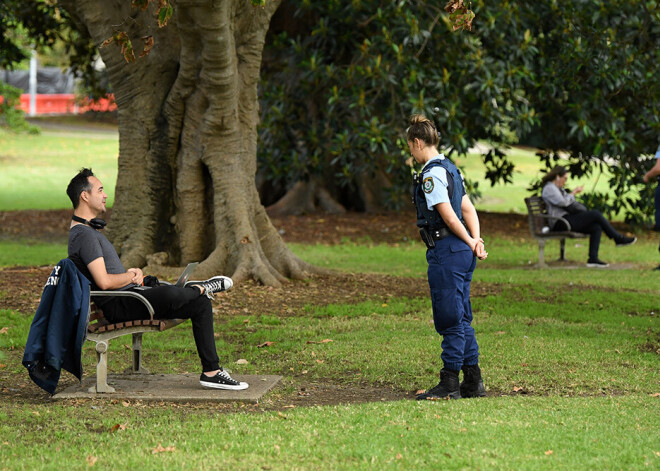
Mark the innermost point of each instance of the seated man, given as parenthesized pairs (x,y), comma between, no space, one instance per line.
(97,259)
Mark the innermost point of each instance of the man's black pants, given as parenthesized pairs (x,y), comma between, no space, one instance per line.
(171,302)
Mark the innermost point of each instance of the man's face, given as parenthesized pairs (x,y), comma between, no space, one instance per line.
(96,196)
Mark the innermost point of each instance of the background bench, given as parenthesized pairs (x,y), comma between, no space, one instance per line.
(101,331)
(539,219)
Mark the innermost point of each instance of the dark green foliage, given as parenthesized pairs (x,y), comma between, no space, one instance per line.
(11,116)
(599,66)
(37,20)
(598,93)
(21,22)
(41,23)
(340,79)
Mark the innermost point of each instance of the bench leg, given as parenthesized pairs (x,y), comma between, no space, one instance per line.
(137,356)
(541,253)
(562,249)
(102,370)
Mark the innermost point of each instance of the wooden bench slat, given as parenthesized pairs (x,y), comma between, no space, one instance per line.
(101,324)
(103,331)
(536,210)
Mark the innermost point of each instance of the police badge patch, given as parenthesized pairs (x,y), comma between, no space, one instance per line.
(427,185)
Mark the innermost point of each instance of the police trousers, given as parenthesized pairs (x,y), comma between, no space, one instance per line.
(451,264)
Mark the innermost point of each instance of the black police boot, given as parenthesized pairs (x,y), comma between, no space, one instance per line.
(472,384)
(447,388)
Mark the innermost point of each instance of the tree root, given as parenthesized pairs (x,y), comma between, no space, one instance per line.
(306,197)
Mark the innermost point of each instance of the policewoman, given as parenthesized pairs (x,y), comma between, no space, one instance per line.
(449,227)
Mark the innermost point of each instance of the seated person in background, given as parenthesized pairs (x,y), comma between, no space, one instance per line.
(651,175)
(654,174)
(560,203)
(97,259)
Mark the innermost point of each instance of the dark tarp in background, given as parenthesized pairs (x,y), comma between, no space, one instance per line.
(49,80)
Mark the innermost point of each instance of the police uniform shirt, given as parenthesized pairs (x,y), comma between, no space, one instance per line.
(434,184)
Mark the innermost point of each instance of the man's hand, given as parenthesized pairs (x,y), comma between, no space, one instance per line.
(654,172)
(137,276)
(108,281)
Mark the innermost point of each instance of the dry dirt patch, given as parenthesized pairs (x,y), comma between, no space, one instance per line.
(53,225)
(22,287)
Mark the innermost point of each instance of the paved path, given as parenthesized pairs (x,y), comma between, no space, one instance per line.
(570,264)
(173,388)
(89,131)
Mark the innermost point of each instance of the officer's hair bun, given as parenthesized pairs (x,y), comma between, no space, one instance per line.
(419,118)
(422,128)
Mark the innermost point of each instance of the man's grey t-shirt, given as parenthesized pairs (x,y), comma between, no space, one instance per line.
(86,245)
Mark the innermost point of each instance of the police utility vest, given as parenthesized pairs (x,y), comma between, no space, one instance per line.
(430,218)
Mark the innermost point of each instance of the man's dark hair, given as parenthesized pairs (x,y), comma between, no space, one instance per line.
(78,184)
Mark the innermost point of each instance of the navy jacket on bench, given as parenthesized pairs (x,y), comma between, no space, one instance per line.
(58,329)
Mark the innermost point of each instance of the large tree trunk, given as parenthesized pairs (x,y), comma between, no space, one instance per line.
(187,138)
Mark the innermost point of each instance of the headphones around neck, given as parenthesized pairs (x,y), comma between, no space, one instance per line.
(95,223)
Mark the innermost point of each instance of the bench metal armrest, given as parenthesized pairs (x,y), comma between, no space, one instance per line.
(129,294)
(555,218)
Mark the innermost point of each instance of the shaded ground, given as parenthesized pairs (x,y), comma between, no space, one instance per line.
(52,225)
(22,287)
(24,284)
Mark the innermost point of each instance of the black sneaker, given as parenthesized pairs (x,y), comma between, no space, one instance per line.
(597,264)
(212,285)
(447,388)
(221,380)
(623,241)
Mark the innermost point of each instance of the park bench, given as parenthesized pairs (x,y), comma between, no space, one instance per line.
(539,226)
(101,331)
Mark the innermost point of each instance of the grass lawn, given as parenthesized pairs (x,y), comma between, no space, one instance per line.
(570,362)
(30,253)
(37,168)
(499,433)
(510,197)
(571,359)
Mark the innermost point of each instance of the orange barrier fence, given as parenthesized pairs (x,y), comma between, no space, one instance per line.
(65,103)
